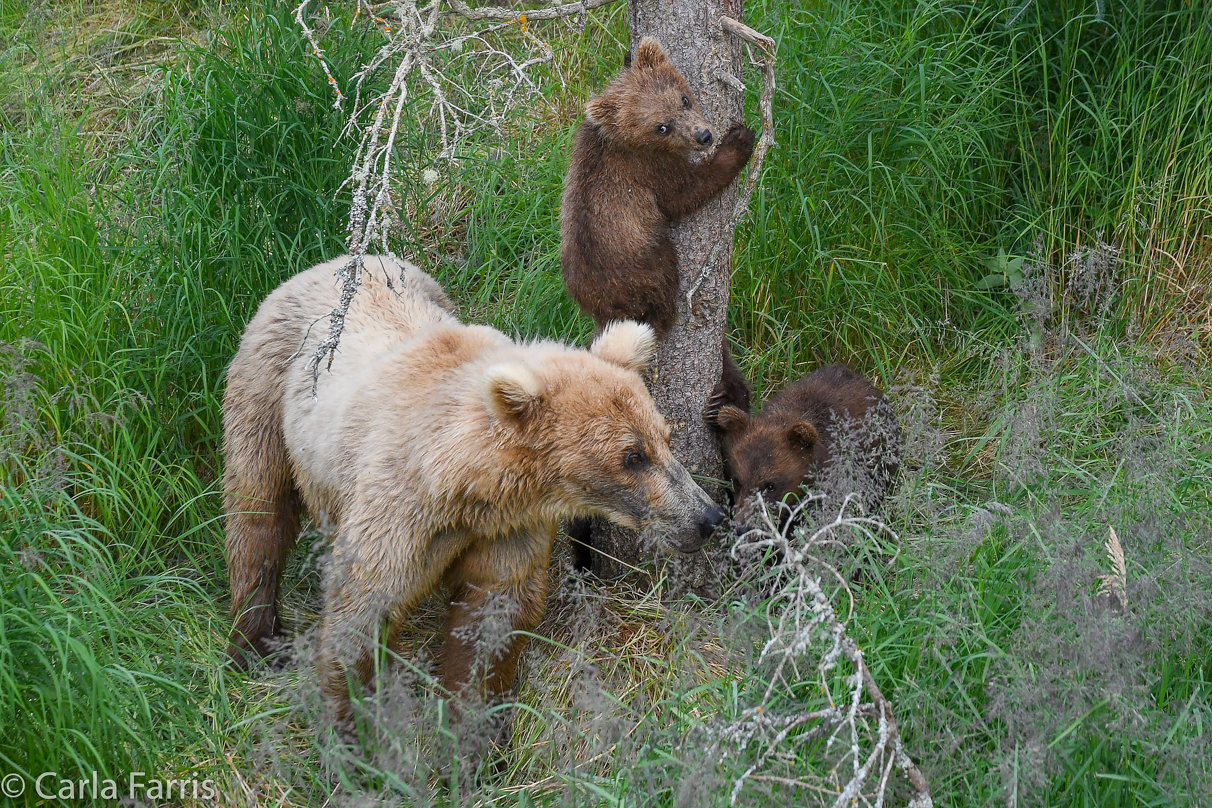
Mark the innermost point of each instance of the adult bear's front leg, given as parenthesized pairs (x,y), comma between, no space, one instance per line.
(349,629)
(359,596)
(497,592)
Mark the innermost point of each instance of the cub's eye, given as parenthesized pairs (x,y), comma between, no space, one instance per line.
(768,489)
(685,102)
(662,129)
(634,460)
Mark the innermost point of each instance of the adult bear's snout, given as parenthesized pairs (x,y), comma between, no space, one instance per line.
(709,520)
(704,525)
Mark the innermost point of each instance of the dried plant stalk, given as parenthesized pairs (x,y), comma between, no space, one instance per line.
(806,621)
(1114,585)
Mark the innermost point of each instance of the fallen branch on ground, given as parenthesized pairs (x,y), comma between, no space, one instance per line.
(802,618)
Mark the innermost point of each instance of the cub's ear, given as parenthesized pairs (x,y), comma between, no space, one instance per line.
(732,419)
(603,110)
(626,343)
(803,435)
(627,59)
(513,391)
(649,55)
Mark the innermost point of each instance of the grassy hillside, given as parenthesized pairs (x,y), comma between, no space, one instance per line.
(1000,210)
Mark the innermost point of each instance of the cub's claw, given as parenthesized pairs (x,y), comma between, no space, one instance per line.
(711,410)
(741,138)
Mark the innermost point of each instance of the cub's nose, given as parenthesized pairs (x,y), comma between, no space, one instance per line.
(709,520)
(704,138)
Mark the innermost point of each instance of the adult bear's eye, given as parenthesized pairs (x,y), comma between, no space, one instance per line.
(685,102)
(767,489)
(634,460)
(662,129)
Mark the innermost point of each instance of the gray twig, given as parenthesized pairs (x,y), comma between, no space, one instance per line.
(488,85)
(802,618)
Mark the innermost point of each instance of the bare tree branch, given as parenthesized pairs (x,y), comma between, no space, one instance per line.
(301,19)
(534,15)
(472,84)
(802,618)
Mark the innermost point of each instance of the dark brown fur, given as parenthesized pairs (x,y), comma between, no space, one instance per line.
(800,434)
(627,183)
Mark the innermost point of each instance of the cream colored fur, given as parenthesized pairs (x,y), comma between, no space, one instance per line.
(443,452)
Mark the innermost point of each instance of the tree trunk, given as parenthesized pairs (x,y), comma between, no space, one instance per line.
(689,360)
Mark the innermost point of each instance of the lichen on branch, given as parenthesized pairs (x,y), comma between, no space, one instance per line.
(806,639)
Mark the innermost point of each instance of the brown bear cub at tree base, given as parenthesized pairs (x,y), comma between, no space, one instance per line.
(832,430)
(444,454)
(630,177)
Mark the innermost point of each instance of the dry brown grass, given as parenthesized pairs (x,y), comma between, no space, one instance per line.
(95,61)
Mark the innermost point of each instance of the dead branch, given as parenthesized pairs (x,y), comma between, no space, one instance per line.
(903,762)
(472,84)
(534,15)
(301,19)
(806,620)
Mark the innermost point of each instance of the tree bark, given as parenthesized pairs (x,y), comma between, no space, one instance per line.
(689,359)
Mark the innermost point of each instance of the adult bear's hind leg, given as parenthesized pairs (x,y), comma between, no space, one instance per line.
(262,505)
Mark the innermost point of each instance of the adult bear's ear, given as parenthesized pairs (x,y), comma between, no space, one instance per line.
(513,391)
(626,343)
(732,419)
(627,59)
(803,435)
(649,55)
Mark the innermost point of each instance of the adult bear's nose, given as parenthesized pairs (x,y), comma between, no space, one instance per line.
(709,520)
(704,137)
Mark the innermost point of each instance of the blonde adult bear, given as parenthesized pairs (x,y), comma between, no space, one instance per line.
(443,453)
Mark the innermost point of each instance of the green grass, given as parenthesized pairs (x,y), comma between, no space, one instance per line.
(154,189)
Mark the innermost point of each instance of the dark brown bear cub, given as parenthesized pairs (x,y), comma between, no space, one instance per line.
(831,431)
(629,178)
